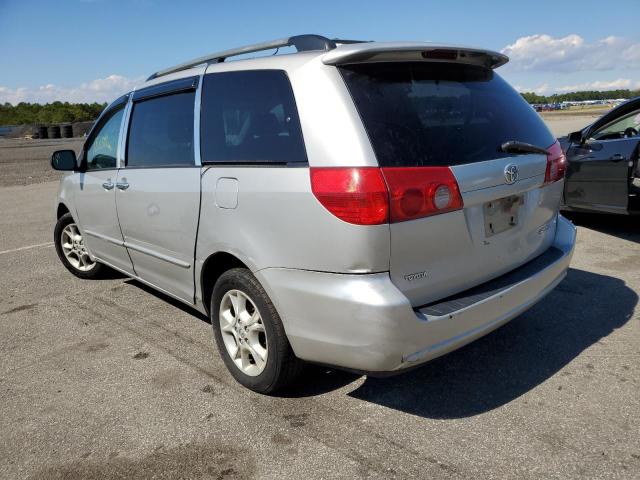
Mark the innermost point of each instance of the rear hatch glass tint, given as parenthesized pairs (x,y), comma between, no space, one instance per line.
(440,114)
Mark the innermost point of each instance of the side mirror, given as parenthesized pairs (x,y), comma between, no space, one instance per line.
(64,160)
(575,137)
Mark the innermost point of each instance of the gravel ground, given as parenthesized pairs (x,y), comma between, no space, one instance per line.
(107,379)
(564,125)
(25,161)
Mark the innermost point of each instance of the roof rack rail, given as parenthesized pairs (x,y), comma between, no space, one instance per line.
(302,43)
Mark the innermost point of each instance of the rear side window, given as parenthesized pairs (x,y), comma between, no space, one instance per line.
(250,117)
(437,114)
(161,132)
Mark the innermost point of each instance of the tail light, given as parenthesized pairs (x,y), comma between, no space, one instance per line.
(373,196)
(556,164)
(355,195)
(416,192)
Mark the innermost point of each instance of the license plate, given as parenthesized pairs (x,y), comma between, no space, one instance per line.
(501,214)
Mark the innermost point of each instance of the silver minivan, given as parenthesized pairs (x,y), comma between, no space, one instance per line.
(364,205)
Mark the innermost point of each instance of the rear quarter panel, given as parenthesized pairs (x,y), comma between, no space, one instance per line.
(277,222)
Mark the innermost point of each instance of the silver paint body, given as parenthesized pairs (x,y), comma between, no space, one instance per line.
(348,295)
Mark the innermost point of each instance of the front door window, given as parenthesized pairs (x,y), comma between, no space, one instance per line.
(625,127)
(103,147)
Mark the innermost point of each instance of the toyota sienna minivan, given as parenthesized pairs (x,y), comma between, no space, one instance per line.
(363,205)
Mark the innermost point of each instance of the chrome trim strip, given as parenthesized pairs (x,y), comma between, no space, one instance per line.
(160,256)
(120,243)
(124,130)
(196,122)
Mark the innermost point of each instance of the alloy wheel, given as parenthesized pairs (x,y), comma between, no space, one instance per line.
(74,250)
(243,332)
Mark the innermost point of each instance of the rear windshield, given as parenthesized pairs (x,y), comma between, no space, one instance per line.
(428,114)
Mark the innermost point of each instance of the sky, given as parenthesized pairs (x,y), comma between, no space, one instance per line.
(94,50)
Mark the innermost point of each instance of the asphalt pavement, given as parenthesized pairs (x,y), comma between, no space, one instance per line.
(108,379)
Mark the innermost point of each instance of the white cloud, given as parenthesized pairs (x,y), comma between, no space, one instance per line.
(545,89)
(539,90)
(98,90)
(620,83)
(571,53)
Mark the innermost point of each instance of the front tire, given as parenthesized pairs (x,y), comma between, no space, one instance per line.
(71,250)
(249,334)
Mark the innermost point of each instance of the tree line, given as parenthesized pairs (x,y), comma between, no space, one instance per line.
(64,112)
(580,96)
(57,112)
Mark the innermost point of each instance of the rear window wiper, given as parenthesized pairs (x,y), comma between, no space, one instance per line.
(514,146)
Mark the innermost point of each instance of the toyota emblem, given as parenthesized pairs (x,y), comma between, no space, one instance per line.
(511,173)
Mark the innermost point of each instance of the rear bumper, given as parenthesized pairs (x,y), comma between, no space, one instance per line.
(364,323)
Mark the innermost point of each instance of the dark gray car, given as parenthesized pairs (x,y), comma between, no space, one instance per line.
(603,174)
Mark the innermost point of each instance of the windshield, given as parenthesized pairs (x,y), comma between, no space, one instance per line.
(429,113)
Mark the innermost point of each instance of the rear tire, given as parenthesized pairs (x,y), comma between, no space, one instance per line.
(71,250)
(249,334)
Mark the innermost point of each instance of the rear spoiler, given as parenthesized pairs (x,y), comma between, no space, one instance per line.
(412,51)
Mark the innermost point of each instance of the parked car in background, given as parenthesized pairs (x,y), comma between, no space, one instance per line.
(603,174)
(363,205)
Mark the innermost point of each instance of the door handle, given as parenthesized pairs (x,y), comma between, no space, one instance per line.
(107,185)
(617,157)
(122,185)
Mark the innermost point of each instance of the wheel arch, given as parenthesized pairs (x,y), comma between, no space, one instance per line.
(61,210)
(212,268)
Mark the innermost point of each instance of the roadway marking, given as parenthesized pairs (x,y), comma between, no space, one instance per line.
(48,244)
